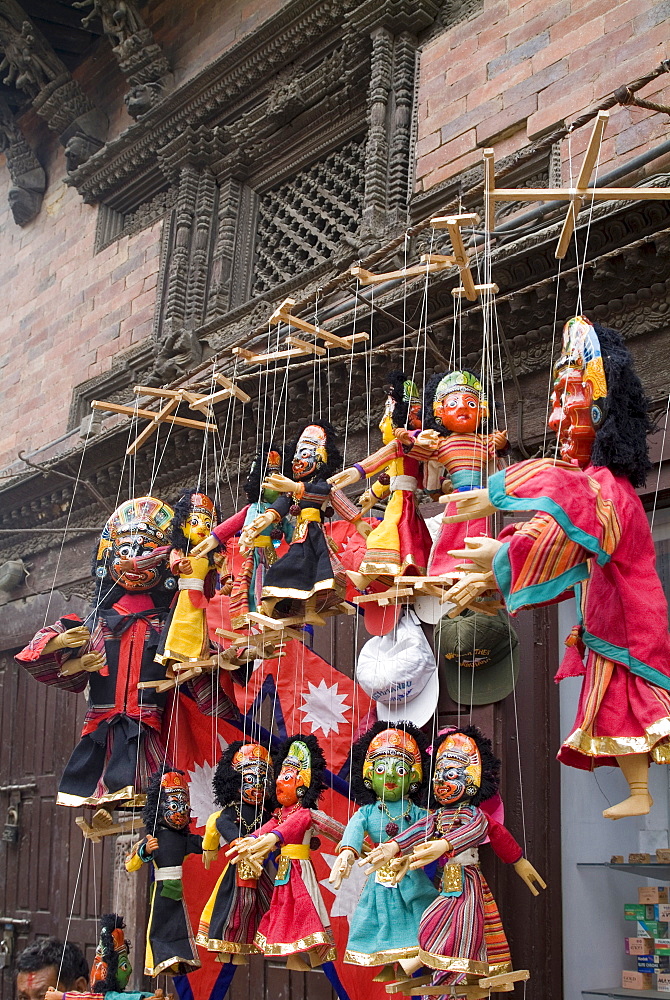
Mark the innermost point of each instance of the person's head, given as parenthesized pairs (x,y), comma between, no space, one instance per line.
(38,967)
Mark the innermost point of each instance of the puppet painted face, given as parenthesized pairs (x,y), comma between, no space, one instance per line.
(459,403)
(253,763)
(310,453)
(392,765)
(135,529)
(458,770)
(295,775)
(175,801)
(198,523)
(580,392)
(100,966)
(410,395)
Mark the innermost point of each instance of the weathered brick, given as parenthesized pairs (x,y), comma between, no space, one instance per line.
(535,83)
(469,120)
(507,121)
(571,42)
(525,51)
(498,87)
(427,144)
(548,16)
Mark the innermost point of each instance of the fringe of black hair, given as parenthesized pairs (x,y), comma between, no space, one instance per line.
(182,509)
(258,470)
(400,413)
(365,796)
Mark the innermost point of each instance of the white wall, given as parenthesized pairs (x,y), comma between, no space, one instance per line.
(593,898)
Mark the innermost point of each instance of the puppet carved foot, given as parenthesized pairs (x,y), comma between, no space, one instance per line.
(223,957)
(240,960)
(102,818)
(359,581)
(386,975)
(637,804)
(410,965)
(296,964)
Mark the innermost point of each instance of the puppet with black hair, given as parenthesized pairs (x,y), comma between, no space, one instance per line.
(111,969)
(245,595)
(590,538)
(243,786)
(111,652)
(170,943)
(460,933)
(309,578)
(297,920)
(389,774)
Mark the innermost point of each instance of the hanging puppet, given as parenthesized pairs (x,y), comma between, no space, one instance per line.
(111,969)
(388,777)
(166,816)
(245,595)
(297,921)
(589,537)
(243,785)
(111,651)
(460,934)
(309,578)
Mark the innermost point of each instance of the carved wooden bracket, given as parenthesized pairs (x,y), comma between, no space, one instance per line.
(28,177)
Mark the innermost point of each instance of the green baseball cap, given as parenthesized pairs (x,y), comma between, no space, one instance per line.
(480,656)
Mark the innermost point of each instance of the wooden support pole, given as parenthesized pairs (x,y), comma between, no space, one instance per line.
(99,404)
(152,426)
(490,189)
(430,263)
(590,160)
(305,346)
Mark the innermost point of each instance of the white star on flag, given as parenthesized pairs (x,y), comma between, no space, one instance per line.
(201,791)
(347,896)
(323,707)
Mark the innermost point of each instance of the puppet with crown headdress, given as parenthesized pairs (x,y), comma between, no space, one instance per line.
(243,787)
(297,921)
(245,595)
(309,577)
(111,652)
(460,934)
(589,538)
(170,943)
(389,774)
(111,969)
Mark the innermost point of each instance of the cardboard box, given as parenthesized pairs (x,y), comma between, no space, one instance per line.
(637,980)
(639,946)
(652,928)
(663,982)
(658,911)
(663,855)
(653,894)
(639,859)
(653,963)
(661,946)
(635,911)
(617,859)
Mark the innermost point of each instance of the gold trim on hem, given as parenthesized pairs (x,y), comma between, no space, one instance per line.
(124,794)
(446,963)
(613,746)
(301,595)
(227,947)
(497,970)
(379,957)
(302,944)
(168,963)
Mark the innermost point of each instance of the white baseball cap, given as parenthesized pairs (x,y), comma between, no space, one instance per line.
(399,672)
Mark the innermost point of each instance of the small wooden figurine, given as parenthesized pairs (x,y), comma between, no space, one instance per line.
(170,943)
(243,785)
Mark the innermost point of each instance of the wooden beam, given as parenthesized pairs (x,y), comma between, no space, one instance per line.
(152,426)
(282,314)
(429,264)
(305,346)
(576,202)
(490,189)
(99,404)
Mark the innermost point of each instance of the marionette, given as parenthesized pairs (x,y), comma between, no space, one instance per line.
(460,933)
(589,538)
(297,921)
(245,595)
(389,772)
(166,815)
(243,785)
(401,542)
(110,652)
(111,969)
(309,578)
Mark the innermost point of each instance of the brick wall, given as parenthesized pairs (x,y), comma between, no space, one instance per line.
(521,67)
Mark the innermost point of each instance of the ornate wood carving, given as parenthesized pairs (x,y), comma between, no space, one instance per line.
(30,64)
(28,177)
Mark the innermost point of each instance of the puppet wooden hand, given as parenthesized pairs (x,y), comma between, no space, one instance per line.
(470,504)
(151,845)
(69,639)
(252,848)
(91,662)
(363,527)
(379,857)
(252,530)
(527,874)
(424,854)
(206,546)
(465,591)
(341,867)
(279,483)
(347,477)
(499,440)
(208,857)
(427,439)
(480,551)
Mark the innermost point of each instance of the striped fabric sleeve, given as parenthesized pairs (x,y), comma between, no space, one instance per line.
(381,458)
(471,832)
(419,832)
(344,507)
(211,697)
(151,559)
(329,827)
(46,667)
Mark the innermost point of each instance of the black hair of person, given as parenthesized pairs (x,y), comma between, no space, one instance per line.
(49,951)
(182,509)
(365,796)
(259,470)
(621,440)
(227,781)
(396,381)
(430,422)
(317,786)
(490,782)
(334,457)
(108,923)
(151,812)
